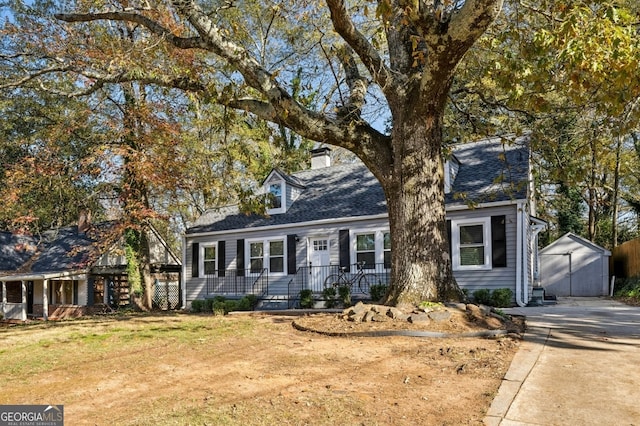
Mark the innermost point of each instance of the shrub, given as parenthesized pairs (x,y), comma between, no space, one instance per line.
(218,307)
(230,305)
(329,295)
(501,297)
(197,306)
(247,303)
(208,305)
(378,291)
(306,299)
(628,288)
(253,300)
(482,296)
(344,293)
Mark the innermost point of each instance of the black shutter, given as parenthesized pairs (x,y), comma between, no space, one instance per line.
(240,258)
(195,260)
(291,254)
(449,239)
(499,241)
(343,244)
(75,292)
(221,258)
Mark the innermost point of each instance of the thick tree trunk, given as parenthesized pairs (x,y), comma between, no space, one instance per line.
(421,263)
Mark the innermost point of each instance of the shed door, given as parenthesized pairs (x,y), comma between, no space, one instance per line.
(586,275)
(571,274)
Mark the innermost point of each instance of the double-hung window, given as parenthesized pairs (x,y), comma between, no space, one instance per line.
(267,254)
(209,259)
(373,248)
(471,244)
(366,250)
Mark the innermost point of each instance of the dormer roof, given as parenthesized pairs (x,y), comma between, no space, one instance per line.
(280,175)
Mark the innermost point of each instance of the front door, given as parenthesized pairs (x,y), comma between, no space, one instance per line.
(319,262)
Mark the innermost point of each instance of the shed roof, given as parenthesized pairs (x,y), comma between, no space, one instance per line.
(565,242)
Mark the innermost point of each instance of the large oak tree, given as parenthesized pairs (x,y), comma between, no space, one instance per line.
(407,52)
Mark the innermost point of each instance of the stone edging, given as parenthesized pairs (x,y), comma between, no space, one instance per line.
(409,333)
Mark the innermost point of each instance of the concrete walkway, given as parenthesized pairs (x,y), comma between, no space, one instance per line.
(579,364)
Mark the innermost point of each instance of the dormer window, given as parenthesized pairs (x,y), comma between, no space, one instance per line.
(276,191)
(281,191)
(275,195)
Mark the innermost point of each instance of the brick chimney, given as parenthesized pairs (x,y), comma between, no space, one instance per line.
(320,157)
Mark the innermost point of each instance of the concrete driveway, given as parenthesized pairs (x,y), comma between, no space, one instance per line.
(579,364)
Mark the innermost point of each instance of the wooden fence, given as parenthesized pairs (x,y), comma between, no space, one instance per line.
(625,260)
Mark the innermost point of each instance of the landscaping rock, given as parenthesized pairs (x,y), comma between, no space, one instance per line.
(356,317)
(358,308)
(397,314)
(380,309)
(439,316)
(380,318)
(419,317)
(368,316)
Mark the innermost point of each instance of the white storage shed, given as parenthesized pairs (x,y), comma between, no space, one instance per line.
(574,266)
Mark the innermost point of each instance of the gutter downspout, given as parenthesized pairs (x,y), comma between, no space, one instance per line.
(526,273)
(519,242)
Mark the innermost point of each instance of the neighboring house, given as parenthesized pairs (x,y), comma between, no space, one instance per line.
(75,270)
(332,217)
(574,266)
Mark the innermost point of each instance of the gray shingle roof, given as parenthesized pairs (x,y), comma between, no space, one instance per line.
(490,170)
(66,249)
(59,250)
(15,249)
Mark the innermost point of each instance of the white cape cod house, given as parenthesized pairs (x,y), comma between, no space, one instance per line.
(335,217)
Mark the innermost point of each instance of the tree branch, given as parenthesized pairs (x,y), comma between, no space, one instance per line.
(369,56)
(469,22)
(33,76)
(352,109)
(150,24)
(278,106)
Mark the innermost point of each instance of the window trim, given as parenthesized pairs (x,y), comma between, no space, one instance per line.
(283,198)
(379,249)
(201,260)
(266,255)
(485,222)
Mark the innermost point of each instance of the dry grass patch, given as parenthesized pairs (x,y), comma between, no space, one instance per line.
(241,370)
